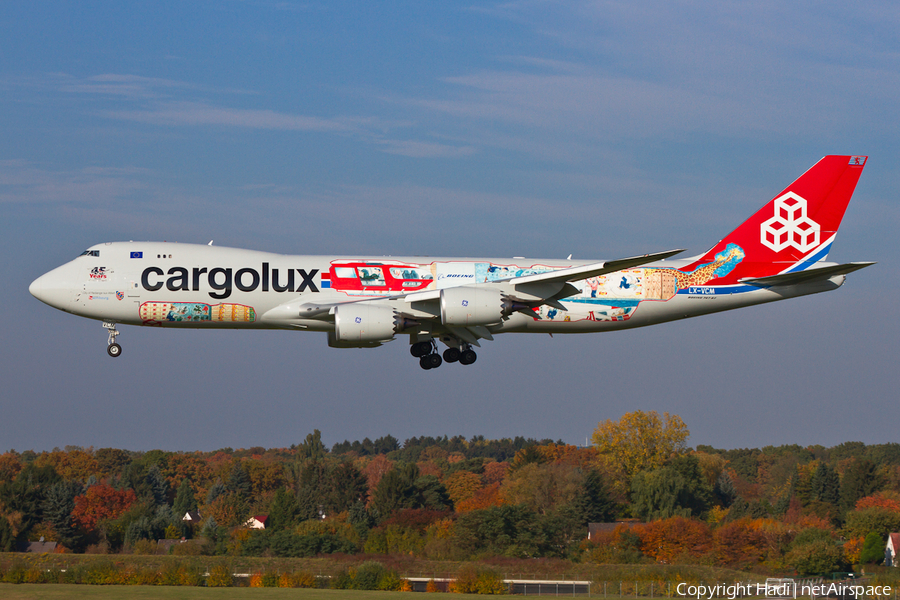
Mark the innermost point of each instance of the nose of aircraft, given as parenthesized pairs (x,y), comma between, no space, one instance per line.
(50,288)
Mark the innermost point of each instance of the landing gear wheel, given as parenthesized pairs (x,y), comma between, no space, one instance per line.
(112,348)
(451,355)
(420,349)
(467,357)
(430,361)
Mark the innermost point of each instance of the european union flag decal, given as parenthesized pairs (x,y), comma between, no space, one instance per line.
(137,255)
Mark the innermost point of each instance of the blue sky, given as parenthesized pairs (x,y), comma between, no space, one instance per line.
(540,129)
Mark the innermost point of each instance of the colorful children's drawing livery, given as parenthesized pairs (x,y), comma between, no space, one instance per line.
(363,302)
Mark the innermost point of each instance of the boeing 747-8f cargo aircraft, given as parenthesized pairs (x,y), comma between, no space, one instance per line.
(362,302)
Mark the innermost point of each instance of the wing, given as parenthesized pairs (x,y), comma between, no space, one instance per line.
(548,285)
(593,270)
(553,286)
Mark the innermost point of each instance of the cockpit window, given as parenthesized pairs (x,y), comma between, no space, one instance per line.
(91,253)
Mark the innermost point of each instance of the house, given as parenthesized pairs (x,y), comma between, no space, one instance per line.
(893,544)
(38,547)
(257,522)
(191,516)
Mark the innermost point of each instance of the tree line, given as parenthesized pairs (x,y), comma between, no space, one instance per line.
(808,509)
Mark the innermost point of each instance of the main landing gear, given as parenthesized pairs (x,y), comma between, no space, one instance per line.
(427,354)
(428,357)
(112,348)
(466,356)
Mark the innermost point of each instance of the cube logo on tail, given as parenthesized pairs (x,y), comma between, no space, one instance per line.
(790,227)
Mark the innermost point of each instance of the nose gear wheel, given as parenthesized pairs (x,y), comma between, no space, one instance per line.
(112,348)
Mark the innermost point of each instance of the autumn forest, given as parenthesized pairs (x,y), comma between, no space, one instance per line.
(786,509)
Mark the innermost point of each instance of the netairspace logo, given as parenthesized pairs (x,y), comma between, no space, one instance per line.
(783,590)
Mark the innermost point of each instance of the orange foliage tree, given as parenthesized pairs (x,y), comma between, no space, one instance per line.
(486,497)
(264,476)
(220,464)
(101,502)
(225,509)
(495,472)
(462,485)
(743,542)
(668,539)
(568,454)
(886,499)
(181,466)
(796,516)
(429,467)
(620,545)
(9,467)
(853,548)
(77,464)
(745,489)
(374,470)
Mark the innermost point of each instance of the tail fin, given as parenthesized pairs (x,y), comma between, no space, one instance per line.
(791,232)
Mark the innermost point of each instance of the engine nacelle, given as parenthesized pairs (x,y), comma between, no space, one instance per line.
(471,305)
(334,342)
(364,322)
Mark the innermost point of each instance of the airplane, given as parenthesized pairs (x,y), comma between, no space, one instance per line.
(364,302)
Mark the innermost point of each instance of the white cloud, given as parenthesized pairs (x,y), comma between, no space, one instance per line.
(27,183)
(416,149)
(195,114)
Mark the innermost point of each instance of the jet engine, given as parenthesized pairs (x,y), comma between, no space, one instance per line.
(472,305)
(365,323)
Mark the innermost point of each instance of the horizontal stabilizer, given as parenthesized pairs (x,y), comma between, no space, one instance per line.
(807,276)
(593,270)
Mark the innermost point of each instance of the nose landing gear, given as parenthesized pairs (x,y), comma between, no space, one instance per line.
(112,348)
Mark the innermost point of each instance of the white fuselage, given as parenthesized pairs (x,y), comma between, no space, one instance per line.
(187,285)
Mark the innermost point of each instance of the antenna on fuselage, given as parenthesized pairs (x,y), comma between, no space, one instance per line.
(210,243)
